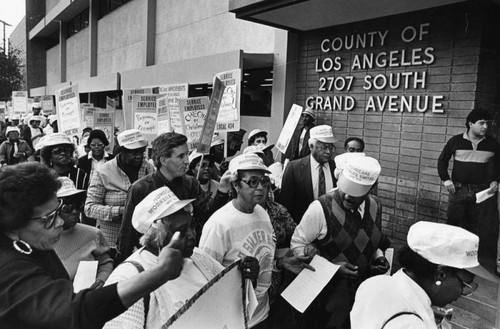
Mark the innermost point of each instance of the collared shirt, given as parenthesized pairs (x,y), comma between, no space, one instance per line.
(315,166)
(301,138)
(97,163)
(381,297)
(313,226)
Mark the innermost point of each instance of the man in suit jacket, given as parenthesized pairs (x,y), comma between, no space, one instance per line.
(302,181)
(299,146)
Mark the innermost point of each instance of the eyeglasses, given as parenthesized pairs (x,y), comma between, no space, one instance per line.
(467,288)
(99,145)
(323,147)
(49,219)
(70,205)
(61,150)
(253,182)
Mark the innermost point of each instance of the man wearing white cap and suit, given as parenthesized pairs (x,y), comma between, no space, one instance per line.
(345,226)
(304,180)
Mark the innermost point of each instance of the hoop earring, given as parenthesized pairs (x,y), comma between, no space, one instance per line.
(438,283)
(22,246)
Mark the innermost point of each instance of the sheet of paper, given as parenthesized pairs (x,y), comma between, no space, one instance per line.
(483,195)
(308,284)
(251,299)
(85,275)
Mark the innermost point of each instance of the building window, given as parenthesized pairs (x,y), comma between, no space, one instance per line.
(78,23)
(107,6)
(257,92)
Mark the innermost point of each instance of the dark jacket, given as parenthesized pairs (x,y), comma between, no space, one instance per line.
(6,149)
(296,186)
(292,152)
(26,135)
(85,163)
(35,292)
(184,187)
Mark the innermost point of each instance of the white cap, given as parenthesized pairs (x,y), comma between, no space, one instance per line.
(249,161)
(131,139)
(56,139)
(309,112)
(341,160)
(158,204)
(67,187)
(195,155)
(447,245)
(37,105)
(12,128)
(36,118)
(323,133)
(359,175)
(253,149)
(216,141)
(15,117)
(255,132)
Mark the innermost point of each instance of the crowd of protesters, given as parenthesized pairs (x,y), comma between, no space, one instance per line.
(161,228)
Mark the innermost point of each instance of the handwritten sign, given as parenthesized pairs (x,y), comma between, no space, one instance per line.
(145,115)
(229,112)
(20,102)
(193,112)
(128,114)
(68,110)
(288,128)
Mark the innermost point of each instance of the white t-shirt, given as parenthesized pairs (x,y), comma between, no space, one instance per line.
(230,234)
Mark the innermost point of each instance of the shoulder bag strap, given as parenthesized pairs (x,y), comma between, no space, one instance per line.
(146,299)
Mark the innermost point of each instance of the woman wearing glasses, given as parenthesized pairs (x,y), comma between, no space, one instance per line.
(57,152)
(243,228)
(439,265)
(35,290)
(97,156)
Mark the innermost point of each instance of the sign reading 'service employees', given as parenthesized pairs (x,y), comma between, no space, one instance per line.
(105,121)
(229,112)
(163,115)
(20,102)
(68,110)
(47,105)
(193,112)
(128,114)
(145,116)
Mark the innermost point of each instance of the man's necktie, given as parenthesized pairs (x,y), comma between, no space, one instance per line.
(321,181)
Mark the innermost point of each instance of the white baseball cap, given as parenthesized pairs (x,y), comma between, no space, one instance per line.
(447,245)
(323,133)
(248,161)
(216,141)
(195,155)
(56,139)
(359,175)
(11,129)
(341,160)
(131,139)
(255,132)
(67,187)
(158,204)
(309,111)
(36,118)
(253,149)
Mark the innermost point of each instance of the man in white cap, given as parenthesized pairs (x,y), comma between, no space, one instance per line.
(345,225)
(170,156)
(438,267)
(110,183)
(304,180)
(14,150)
(299,147)
(33,132)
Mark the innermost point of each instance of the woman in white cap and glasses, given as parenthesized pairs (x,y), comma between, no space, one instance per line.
(158,217)
(243,228)
(439,265)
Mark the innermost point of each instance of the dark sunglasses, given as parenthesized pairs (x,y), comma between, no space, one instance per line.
(72,204)
(49,219)
(60,150)
(253,182)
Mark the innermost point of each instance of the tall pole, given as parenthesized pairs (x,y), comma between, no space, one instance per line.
(4,46)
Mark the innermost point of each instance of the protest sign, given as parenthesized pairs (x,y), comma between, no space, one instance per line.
(119,120)
(68,110)
(229,112)
(193,111)
(288,128)
(211,118)
(145,116)
(110,104)
(163,115)
(3,110)
(87,111)
(221,303)
(128,114)
(20,102)
(175,91)
(30,105)
(47,105)
(105,121)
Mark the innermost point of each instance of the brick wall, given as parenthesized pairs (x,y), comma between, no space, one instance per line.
(406,143)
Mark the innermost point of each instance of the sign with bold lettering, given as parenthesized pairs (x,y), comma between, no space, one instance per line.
(105,121)
(163,115)
(193,112)
(145,116)
(229,112)
(68,110)
(128,114)
(47,105)
(211,119)
(289,127)
(20,102)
